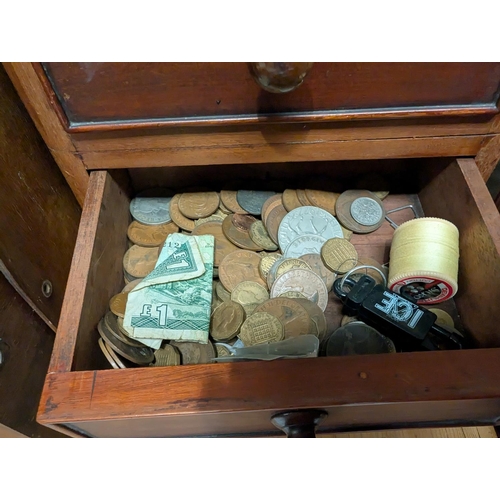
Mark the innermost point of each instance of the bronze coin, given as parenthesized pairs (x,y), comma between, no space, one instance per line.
(317,316)
(273,221)
(196,205)
(322,199)
(223,246)
(194,353)
(131,285)
(223,208)
(243,222)
(317,266)
(140,261)
(231,203)
(293,316)
(113,325)
(150,236)
(118,303)
(260,236)
(226,320)
(304,201)
(177,217)
(269,204)
(238,237)
(239,266)
(343,210)
(290,199)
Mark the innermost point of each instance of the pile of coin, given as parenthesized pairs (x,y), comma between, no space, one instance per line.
(276,258)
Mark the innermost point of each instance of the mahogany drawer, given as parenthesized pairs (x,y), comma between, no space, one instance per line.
(81,395)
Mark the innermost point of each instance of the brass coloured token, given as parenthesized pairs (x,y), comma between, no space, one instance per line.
(339,255)
(237,235)
(167,356)
(118,303)
(249,294)
(150,236)
(260,236)
(138,261)
(194,353)
(196,205)
(261,328)
(226,321)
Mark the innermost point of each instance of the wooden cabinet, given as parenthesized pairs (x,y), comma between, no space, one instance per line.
(432,133)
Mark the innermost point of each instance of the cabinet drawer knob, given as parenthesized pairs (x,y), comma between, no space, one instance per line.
(299,423)
(279,77)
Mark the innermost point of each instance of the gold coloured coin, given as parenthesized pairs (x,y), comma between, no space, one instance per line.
(223,208)
(118,303)
(194,353)
(260,236)
(239,266)
(266,263)
(261,328)
(233,227)
(293,316)
(339,255)
(150,236)
(222,350)
(289,264)
(196,205)
(138,261)
(130,286)
(177,217)
(221,292)
(291,200)
(443,318)
(223,246)
(231,203)
(226,321)
(269,204)
(249,294)
(322,199)
(167,356)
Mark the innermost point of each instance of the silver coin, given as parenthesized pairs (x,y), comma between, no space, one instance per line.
(304,281)
(307,220)
(309,243)
(252,201)
(271,275)
(151,211)
(366,211)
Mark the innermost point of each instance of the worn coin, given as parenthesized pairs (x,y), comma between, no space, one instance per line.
(322,199)
(252,201)
(366,211)
(196,205)
(443,318)
(318,319)
(223,246)
(343,210)
(223,207)
(221,292)
(150,236)
(178,217)
(293,316)
(107,354)
(235,233)
(118,303)
(226,320)
(308,243)
(303,281)
(150,210)
(348,319)
(249,294)
(167,356)
(290,199)
(260,236)
(273,221)
(301,195)
(130,286)
(222,350)
(317,266)
(293,295)
(194,353)
(243,222)
(307,220)
(339,255)
(288,264)
(266,263)
(112,322)
(231,203)
(239,266)
(216,217)
(269,204)
(121,362)
(271,275)
(138,261)
(261,328)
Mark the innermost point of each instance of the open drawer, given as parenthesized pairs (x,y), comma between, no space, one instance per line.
(82,395)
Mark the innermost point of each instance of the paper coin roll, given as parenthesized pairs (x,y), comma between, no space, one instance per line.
(424,260)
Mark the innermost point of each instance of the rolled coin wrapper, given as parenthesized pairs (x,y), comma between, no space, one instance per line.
(424,260)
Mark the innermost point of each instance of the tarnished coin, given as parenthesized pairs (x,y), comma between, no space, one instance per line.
(290,199)
(269,204)
(348,319)
(234,232)
(177,217)
(273,221)
(252,201)
(343,210)
(138,261)
(382,195)
(153,343)
(239,266)
(113,324)
(107,354)
(261,328)
(211,218)
(196,205)
(288,264)
(118,303)
(303,281)
(226,320)
(318,319)
(293,295)
(322,199)
(139,355)
(366,211)
(308,243)
(221,292)
(231,203)
(260,236)
(317,266)
(249,294)
(223,207)
(266,263)
(150,209)
(443,318)
(121,362)
(293,316)
(271,275)
(347,233)
(130,286)
(243,222)
(150,236)
(339,255)
(307,220)
(222,350)
(167,356)
(223,246)
(301,195)
(193,353)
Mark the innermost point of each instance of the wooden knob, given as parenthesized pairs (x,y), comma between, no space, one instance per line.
(299,423)
(279,77)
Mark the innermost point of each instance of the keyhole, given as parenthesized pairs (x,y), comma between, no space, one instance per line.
(47,288)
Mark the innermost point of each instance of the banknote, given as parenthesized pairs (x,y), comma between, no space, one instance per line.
(170,306)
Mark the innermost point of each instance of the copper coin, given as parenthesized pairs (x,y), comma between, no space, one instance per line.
(107,355)
(130,286)
(271,203)
(196,205)
(260,236)
(317,316)
(238,237)
(243,222)
(230,201)
(226,320)
(118,303)
(150,236)
(177,217)
(239,266)
(261,328)
(140,261)
(249,294)
(322,199)
(194,353)
(223,207)
(339,255)
(114,328)
(293,316)
(223,246)
(343,208)
(273,221)
(317,266)
(221,292)
(290,199)
(301,195)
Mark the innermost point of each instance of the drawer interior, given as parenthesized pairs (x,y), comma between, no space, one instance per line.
(442,187)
